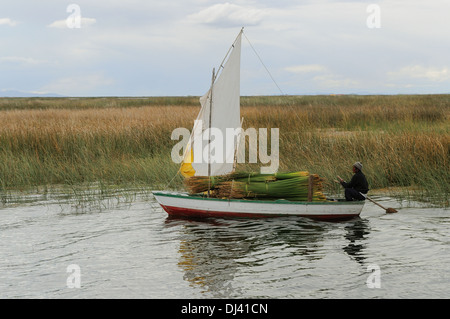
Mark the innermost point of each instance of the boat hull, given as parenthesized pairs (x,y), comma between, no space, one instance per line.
(184,205)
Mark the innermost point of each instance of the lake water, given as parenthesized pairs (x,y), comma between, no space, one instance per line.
(126,247)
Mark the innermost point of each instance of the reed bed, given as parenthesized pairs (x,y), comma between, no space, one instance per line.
(403,141)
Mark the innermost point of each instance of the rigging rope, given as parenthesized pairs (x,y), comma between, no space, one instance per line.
(282,93)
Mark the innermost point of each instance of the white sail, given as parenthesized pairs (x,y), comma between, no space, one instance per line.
(216,156)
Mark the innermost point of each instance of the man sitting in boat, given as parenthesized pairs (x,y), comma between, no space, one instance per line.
(358,184)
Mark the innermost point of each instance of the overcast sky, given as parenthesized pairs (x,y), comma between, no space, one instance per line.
(162,48)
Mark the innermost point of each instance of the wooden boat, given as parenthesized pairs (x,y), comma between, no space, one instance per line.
(221,110)
(185,205)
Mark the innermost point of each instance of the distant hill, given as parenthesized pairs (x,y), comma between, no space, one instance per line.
(14,93)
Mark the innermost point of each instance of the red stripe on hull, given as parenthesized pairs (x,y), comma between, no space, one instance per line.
(187,212)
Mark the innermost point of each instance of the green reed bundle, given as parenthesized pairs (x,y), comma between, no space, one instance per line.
(200,184)
(295,186)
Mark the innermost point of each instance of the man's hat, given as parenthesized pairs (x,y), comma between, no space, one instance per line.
(358,165)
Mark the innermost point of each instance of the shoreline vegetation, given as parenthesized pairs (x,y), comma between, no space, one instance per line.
(403,141)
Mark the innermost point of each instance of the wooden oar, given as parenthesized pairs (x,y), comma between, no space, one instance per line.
(388,210)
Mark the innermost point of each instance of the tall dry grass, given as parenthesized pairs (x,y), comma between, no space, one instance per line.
(401,140)
(67,146)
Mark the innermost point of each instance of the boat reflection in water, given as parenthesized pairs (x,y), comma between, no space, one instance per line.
(227,258)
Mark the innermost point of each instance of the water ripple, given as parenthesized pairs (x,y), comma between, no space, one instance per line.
(134,250)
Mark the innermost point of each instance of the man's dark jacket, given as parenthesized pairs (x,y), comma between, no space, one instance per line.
(358,182)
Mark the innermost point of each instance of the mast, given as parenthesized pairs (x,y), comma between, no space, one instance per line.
(209,124)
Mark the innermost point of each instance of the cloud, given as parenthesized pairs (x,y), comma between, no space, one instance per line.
(306,68)
(8,21)
(432,74)
(321,77)
(21,60)
(78,85)
(167,47)
(334,81)
(228,15)
(62,24)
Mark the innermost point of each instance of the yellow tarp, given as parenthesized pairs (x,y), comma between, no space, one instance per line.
(186,168)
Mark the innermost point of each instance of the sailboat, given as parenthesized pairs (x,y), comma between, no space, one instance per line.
(220,110)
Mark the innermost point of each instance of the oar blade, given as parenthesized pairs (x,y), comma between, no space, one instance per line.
(391,210)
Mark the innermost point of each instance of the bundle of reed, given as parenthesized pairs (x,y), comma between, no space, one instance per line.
(230,189)
(295,186)
(200,184)
(295,189)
